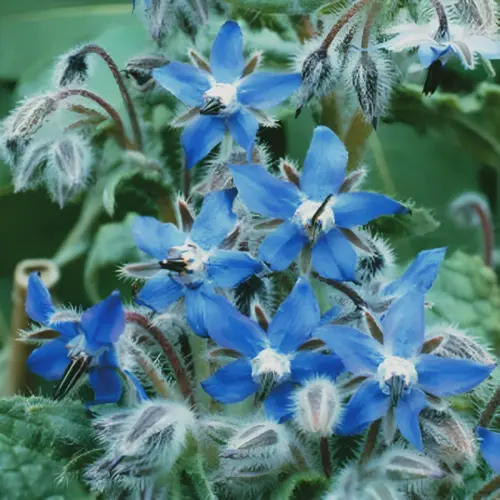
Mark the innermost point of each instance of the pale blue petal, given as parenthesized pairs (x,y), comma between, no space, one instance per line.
(156,238)
(403,325)
(264,89)
(367,404)
(103,323)
(243,127)
(407,412)
(420,274)
(334,257)
(324,166)
(196,309)
(359,208)
(360,353)
(331,315)
(50,360)
(226,58)
(106,384)
(67,329)
(231,383)
(200,137)
(296,318)
(428,53)
(280,248)
(39,305)
(263,193)
(215,220)
(229,328)
(307,365)
(159,292)
(448,377)
(490,447)
(228,268)
(188,83)
(279,403)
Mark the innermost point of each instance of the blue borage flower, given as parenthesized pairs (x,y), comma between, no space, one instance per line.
(225,97)
(397,374)
(85,345)
(490,447)
(192,264)
(273,354)
(317,212)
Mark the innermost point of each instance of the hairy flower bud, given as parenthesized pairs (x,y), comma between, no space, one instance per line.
(140,69)
(318,407)
(72,69)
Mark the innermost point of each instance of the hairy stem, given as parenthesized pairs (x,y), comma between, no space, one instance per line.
(152,372)
(334,31)
(488,233)
(168,350)
(341,287)
(134,121)
(371,442)
(488,489)
(443,19)
(489,411)
(370,20)
(326,456)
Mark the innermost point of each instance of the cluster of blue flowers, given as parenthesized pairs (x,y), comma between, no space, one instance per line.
(317,214)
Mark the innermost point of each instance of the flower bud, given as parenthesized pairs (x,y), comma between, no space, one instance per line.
(140,69)
(72,69)
(404,465)
(318,407)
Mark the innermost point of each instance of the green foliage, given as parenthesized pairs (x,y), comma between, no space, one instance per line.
(43,448)
(301,485)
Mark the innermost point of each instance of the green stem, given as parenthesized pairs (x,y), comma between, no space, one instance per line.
(196,472)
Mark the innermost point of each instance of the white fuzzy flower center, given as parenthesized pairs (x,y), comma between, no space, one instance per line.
(396,376)
(270,362)
(191,261)
(220,99)
(315,218)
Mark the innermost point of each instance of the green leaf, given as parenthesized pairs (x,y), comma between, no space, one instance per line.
(282,6)
(466,293)
(44,446)
(113,244)
(301,485)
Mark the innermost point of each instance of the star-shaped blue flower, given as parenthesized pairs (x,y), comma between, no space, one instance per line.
(490,447)
(317,212)
(225,97)
(87,344)
(268,355)
(191,264)
(397,373)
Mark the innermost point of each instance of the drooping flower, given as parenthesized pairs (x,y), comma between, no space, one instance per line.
(268,357)
(224,94)
(84,345)
(194,262)
(319,212)
(490,447)
(398,375)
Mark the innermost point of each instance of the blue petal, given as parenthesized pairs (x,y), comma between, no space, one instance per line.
(196,309)
(67,329)
(229,328)
(490,447)
(39,305)
(404,325)
(159,292)
(226,59)
(279,403)
(334,257)
(263,193)
(156,238)
(139,390)
(419,275)
(324,166)
(306,365)
(330,315)
(360,353)
(359,208)
(106,384)
(231,383)
(188,83)
(407,412)
(200,137)
(228,268)
(109,358)
(215,220)
(50,360)
(295,319)
(280,248)
(447,377)
(104,323)
(367,404)
(428,53)
(266,90)
(243,127)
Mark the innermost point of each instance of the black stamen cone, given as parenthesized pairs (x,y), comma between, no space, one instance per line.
(75,371)
(434,77)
